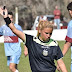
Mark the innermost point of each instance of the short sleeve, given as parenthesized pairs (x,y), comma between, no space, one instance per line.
(69,34)
(59,53)
(28,40)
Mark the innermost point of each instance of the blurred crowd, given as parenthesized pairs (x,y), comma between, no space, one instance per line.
(57,19)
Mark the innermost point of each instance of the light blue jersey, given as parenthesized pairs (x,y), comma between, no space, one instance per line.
(69,35)
(11,41)
(69,30)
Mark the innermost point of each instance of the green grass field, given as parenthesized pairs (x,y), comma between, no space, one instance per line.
(23,66)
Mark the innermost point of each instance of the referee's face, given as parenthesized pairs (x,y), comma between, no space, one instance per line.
(45,34)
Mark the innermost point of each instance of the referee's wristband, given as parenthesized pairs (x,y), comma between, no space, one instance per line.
(7,20)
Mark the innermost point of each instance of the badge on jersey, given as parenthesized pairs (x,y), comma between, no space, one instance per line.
(45,52)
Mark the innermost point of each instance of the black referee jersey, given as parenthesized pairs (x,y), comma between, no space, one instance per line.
(42,54)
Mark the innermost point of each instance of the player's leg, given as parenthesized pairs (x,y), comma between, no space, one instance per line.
(12,62)
(12,67)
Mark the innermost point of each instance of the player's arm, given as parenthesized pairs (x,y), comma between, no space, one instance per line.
(66,47)
(64,51)
(17,32)
(62,65)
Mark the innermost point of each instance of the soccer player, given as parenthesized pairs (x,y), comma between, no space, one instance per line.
(68,38)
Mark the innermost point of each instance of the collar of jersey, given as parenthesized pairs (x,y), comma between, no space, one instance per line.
(49,41)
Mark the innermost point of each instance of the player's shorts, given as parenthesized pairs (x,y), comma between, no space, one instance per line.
(13,59)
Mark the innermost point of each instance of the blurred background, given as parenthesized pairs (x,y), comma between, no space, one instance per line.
(28,18)
(28,10)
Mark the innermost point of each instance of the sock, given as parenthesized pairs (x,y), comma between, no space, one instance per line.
(16,71)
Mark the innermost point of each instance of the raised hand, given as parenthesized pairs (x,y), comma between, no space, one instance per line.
(3,12)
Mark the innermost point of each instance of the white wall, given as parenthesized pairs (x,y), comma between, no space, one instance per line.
(58,34)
